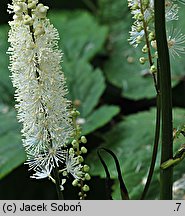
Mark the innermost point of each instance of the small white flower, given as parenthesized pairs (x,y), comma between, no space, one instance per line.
(134,35)
(73,166)
(42,173)
(171,11)
(49,159)
(176,42)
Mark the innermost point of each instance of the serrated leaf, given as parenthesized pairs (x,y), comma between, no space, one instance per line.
(85,85)
(132,141)
(99,118)
(11,150)
(81,36)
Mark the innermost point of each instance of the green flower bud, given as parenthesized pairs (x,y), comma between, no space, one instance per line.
(83,150)
(153,69)
(75,182)
(75,113)
(154,44)
(135,6)
(80,159)
(74,143)
(85,188)
(80,194)
(145,49)
(142,60)
(28,20)
(145,2)
(83,139)
(151,36)
(64,173)
(86,168)
(138,39)
(140,17)
(71,151)
(87,176)
(39,30)
(139,28)
(32,5)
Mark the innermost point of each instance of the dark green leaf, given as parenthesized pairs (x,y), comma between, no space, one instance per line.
(85,85)
(99,118)
(11,150)
(81,36)
(132,141)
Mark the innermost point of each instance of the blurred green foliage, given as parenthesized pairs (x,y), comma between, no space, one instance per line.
(97,62)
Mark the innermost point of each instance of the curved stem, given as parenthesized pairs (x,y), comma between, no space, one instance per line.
(166,176)
(155,147)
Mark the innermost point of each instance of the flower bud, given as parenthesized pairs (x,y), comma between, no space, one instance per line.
(145,49)
(151,36)
(87,176)
(154,44)
(39,30)
(138,39)
(153,69)
(140,17)
(71,151)
(85,188)
(86,168)
(75,182)
(83,139)
(28,20)
(83,150)
(74,143)
(41,10)
(142,60)
(64,173)
(80,159)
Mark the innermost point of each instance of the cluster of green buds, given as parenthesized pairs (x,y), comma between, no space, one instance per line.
(79,150)
(143,32)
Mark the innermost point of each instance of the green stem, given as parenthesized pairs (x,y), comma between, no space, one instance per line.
(155,147)
(57,183)
(166,176)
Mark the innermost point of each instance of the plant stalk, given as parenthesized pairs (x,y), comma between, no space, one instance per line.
(57,183)
(166,176)
(155,147)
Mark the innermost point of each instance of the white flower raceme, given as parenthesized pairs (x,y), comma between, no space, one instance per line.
(40,86)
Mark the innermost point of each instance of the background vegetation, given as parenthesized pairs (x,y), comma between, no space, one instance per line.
(113,92)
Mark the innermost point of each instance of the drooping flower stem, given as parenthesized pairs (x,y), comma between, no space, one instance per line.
(166,176)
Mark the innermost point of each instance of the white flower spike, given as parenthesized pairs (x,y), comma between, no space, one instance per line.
(40,86)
